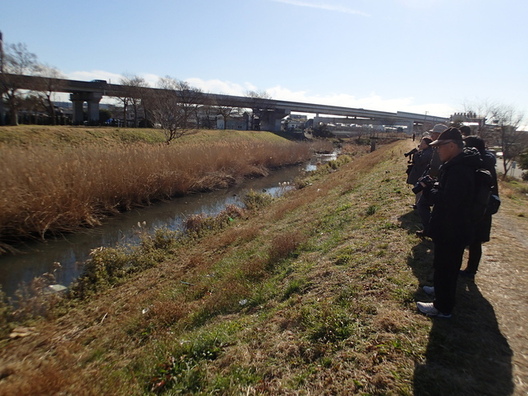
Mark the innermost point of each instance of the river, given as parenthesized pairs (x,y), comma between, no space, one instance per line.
(72,250)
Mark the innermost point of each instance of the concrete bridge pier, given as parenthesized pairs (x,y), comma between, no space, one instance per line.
(410,128)
(270,120)
(93,99)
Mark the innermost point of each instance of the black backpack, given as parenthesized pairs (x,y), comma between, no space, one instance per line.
(484,201)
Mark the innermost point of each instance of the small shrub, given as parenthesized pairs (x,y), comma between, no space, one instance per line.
(294,286)
(254,268)
(254,200)
(327,323)
(166,313)
(182,372)
(282,246)
(226,296)
(340,161)
(35,298)
(195,223)
(343,259)
(371,210)
(104,268)
(178,374)
(161,239)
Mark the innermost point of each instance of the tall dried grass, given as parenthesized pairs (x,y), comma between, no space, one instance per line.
(53,190)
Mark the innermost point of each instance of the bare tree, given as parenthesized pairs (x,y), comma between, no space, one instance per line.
(174,106)
(165,110)
(17,61)
(258,107)
(499,125)
(513,142)
(225,112)
(125,100)
(137,87)
(207,118)
(258,94)
(51,76)
(190,99)
(134,96)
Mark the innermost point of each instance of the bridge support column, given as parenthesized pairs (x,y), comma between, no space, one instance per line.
(270,120)
(93,99)
(77,102)
(410,128)
(93,107)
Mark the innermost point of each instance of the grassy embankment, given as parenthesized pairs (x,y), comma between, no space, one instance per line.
(312,294)
(56,179)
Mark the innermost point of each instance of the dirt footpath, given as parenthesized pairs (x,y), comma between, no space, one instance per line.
(503,282)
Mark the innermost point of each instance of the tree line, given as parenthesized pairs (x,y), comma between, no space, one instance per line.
(174,108)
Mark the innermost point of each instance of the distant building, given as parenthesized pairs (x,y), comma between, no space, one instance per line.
(295,122)
(235,121)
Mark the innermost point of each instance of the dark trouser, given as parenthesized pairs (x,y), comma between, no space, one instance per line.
(447,263)
(424,211)
(475,253)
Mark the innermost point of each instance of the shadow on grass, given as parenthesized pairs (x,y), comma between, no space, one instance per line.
(467,354)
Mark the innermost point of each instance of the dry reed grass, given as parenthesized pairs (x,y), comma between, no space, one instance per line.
(52,190)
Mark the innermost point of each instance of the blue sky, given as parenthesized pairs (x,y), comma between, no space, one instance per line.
(434,56)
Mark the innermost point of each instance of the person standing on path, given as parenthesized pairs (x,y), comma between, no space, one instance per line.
(422,205)
(420,163)
(451,227)
(483,227)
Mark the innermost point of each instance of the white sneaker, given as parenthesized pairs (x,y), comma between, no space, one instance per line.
(429,290)
(429,309)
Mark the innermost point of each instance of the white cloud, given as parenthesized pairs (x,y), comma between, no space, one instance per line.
(111,78)
(323,6)
(151,79)
(371,102)
(221,87)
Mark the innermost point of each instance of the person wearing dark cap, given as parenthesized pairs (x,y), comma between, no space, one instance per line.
(420,163)
(422,205)
(451,228)
(465,130)
(483,227)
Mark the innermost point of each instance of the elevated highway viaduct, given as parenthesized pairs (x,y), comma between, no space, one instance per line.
(270,111)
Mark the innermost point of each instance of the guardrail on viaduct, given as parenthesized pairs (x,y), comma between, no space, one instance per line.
(270,111)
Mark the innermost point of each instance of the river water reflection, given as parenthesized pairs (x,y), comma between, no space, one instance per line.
(73,249)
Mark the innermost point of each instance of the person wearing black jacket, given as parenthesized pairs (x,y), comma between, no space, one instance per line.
(420,163)
(451,228)
(483,227)
(423,207)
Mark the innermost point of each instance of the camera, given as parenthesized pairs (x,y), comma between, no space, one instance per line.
(424,182)
(414,150)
